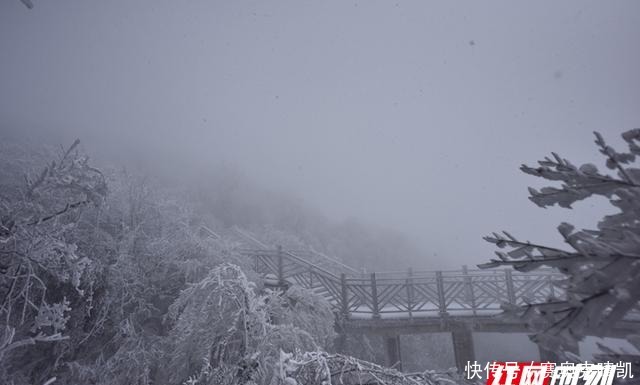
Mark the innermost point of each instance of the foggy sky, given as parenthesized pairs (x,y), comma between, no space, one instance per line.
(411,115)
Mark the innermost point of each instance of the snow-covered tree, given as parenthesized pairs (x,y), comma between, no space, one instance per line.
(42,270)
(222,331)
(321,368)
(602,266)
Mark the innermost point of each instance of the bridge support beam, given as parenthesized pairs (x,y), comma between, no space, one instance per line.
(463,349)
(547,355)
(340,342)
(552,356)
(392,348)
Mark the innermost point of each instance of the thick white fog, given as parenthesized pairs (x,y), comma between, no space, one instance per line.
(251,192)
(413,116)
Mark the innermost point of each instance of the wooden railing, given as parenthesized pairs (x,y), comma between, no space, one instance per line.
(412,294)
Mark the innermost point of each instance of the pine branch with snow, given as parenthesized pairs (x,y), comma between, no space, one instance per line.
(602,266)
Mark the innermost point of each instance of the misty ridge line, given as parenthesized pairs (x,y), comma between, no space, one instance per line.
(227,200)
(397,126)
(224,199)
(228,197)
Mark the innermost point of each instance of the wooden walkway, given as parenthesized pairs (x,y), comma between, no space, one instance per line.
(391,304)
(408,294)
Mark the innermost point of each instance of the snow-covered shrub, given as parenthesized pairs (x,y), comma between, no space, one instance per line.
(320,368)
(221,326)
(305,310)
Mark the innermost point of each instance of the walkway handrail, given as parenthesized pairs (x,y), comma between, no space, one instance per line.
(332,261)
(245,234)
(462,292)
(289,256)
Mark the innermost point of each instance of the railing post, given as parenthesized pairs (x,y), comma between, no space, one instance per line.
(374,296)
(410,293)
(511,293)
(442,304)
(469,288)
(344,295)
(394,351)
(280,266)
(257,258)
(463,350)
